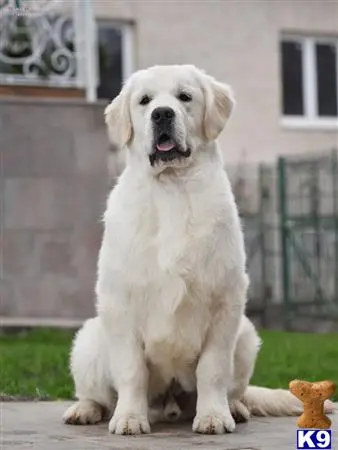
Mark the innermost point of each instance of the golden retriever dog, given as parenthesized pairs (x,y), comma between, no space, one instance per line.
(171,281)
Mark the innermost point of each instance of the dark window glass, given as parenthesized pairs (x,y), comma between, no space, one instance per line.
(110,61)
(292,78)
(326,65)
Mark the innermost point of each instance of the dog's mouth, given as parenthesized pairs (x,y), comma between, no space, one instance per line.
(166,149)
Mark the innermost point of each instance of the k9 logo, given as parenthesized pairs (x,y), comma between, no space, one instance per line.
(314,439)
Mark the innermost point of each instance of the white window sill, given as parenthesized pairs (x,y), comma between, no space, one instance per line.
(302,123)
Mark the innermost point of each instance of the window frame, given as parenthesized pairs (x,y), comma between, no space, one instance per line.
(310,118)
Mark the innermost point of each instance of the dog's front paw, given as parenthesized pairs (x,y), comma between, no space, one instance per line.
(129,424)
(83,412)
(214,423)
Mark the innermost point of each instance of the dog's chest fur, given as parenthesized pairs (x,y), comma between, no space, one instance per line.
(160,259)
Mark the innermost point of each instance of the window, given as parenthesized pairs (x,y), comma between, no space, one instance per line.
(326,82)
(293,103)
(114,58)
(69,52)
(309,75)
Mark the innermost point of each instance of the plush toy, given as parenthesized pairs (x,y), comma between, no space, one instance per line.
(313,396)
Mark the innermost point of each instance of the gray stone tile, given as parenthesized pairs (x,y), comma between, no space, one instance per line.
(27,204)
(56,255)
(39,203)
(42,296)
(85,248)
(91,154)
(19,253)
(90,193)
(44,154)
(7,306)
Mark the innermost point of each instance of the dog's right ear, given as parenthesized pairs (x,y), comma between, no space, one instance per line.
(118,120)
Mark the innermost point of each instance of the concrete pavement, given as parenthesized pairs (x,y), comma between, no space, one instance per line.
(38,426)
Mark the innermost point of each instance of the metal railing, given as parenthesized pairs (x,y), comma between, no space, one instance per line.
(49,43)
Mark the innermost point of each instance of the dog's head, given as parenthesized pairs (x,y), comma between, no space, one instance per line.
(165,113)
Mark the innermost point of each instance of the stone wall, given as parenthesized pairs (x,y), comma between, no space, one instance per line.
(53,184)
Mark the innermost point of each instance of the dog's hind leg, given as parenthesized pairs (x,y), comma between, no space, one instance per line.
(246,350)
(89,368)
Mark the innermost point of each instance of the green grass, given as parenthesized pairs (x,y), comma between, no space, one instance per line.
(285,356)
(34,364)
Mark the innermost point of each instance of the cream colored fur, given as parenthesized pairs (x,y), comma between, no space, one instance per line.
(171,281)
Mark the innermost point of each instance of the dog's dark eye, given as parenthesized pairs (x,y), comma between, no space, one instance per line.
(145,100)
(184,97)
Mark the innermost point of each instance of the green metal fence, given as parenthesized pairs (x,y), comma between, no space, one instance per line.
(308,211)
(292,237)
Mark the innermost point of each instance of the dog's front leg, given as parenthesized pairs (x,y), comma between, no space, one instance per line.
(130,375)
(215,368)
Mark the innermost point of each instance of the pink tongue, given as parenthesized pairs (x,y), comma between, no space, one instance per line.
(165,147)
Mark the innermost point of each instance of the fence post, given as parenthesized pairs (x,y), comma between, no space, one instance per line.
(335,213)
(263,194)
(284,236)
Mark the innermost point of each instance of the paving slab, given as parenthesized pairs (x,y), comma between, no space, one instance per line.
(38,426)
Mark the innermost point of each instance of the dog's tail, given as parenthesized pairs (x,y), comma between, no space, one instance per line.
(275,402)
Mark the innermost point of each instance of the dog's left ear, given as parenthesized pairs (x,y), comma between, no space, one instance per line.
(219,102)
(118,120)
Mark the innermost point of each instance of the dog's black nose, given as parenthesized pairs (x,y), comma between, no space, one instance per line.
(162,114)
